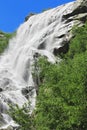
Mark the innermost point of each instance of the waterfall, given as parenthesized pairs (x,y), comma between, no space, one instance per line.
(41,34)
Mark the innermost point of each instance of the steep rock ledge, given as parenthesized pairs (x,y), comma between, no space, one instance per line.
(48,34)
(78,15)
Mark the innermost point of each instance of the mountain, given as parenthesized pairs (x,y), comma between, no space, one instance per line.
(47,34)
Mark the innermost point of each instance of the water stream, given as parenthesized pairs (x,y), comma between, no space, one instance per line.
(42,33)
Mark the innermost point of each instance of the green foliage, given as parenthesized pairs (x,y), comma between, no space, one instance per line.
(22,117)
(79,42)
(62,99)
(4,40)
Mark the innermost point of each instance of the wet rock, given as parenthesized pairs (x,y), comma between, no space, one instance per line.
(48,34)
(8,128)
(1,89)
(1,35)
(62,50)
(79,7)
(28,91)
(30,15)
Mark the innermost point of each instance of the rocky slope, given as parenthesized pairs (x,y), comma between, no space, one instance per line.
(47,34)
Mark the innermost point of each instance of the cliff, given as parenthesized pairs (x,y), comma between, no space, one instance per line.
(47,34)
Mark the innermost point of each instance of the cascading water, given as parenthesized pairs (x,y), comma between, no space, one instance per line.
(40,34)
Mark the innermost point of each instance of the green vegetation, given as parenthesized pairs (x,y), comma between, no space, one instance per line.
(22,117)
(4,39)
(62,97)
(79,42)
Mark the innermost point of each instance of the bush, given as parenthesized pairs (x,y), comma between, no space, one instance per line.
(62,99)
(62,96)
(22,117)
(4,40)
(79,43)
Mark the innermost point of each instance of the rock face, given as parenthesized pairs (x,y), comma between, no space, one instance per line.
(79,7)
(45,34)
(27,17)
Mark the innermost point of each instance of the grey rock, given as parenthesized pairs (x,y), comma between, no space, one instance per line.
(45,34)
(1,89)
(30,15)
(1,35)
(28,91)
(8,128)
(79,7)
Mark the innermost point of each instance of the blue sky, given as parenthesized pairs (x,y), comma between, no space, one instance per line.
(13,12)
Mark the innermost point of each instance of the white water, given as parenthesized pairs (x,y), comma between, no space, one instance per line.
(39,34)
